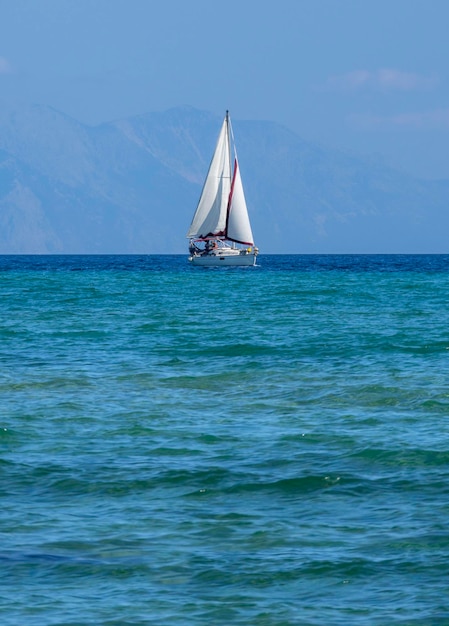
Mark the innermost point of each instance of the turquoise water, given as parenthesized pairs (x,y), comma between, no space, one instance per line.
(257,446)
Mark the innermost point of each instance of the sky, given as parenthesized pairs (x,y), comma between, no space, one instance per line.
(366,76)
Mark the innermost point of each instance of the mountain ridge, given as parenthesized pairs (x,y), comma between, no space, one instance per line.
(131,186)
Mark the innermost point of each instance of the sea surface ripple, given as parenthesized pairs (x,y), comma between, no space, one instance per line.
(249,446)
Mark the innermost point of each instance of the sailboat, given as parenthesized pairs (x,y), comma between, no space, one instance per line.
(220,232)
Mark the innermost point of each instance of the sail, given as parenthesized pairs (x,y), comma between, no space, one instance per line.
(238,227)
(210,215)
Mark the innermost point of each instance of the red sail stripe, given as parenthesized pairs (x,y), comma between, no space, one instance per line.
(228,210)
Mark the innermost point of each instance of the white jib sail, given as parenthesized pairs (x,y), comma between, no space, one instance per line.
(239,227)
(210,215)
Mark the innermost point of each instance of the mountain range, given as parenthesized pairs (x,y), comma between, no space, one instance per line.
(131,186)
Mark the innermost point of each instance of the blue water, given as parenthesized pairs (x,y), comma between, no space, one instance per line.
(249,446)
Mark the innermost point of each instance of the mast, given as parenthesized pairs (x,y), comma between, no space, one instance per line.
(228,129)
(232,173)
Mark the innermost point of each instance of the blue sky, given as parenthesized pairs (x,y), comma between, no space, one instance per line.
(369,76)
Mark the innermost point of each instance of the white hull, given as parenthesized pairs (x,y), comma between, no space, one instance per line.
(210,260)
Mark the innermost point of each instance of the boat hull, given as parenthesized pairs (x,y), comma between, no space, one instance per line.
(221,260)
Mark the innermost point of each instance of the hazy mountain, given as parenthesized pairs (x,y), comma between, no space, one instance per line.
(131,186)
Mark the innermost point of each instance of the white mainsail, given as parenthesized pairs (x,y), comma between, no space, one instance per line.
(210,215)
(222,210)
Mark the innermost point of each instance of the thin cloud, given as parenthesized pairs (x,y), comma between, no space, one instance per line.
(437,119)
(385,79)
(5,66)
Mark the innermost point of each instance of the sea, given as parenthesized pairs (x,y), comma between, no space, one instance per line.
(259,446)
